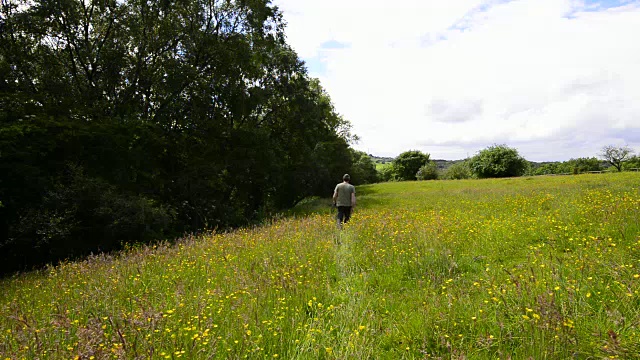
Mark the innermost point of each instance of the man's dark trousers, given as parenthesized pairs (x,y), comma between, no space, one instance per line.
(344,214)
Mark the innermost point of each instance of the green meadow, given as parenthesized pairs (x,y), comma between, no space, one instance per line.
(540,268)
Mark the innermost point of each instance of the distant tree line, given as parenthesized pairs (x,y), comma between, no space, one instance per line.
(498,161)
(572,166)
(612,158)
(494,161)
(132,120)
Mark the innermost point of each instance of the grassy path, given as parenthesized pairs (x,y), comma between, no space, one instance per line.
(349,291)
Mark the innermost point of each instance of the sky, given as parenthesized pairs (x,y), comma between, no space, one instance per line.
(555,79)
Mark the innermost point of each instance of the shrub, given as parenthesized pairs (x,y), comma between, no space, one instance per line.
(408,163)
(387,173)
(363,169)
(428,171)
(632,163)
(497,161)
(458,171)
(581,165)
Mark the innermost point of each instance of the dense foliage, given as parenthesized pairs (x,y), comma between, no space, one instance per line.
(633,163)
(497,161)
(428,171)
(572,166)
(363,169)
(458,171)
(407,164)
(134,120)
(386,173)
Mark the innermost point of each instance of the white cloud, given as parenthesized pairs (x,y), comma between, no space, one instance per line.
(448,111)
(554,78)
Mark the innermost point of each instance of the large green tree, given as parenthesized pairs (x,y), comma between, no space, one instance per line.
(497,161)
(134,120)
(407,164)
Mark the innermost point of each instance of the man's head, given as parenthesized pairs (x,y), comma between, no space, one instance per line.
(346,178)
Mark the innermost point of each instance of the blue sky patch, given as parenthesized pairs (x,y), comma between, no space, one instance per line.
(589,6)
(601,5)
(316,66)
(597,5)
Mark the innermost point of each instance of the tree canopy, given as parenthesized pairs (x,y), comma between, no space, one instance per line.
(497,161)
(407,164)
(363,168)
(136,120)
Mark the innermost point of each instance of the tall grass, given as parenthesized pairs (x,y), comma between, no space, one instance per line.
(542,268)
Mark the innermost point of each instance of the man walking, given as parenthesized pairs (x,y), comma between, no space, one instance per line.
(344,197)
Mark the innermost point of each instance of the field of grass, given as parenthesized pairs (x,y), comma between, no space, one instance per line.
(380,166)
(541,268)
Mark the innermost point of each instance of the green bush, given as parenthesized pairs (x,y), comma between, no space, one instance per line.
(363,169)
(458,171)
(428,171)
(407,164)
(632,163)
(581,165)
(497,161)
(387,173)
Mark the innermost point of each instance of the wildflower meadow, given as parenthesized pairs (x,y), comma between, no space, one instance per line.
(536,267)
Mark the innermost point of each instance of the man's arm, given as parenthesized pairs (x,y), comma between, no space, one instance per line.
(353,199)
(335,196)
